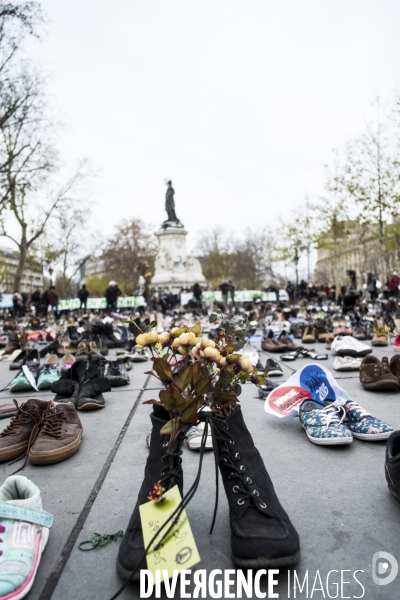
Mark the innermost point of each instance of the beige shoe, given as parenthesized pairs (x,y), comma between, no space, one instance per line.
(381,331)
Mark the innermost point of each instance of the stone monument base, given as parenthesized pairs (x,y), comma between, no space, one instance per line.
(174,269)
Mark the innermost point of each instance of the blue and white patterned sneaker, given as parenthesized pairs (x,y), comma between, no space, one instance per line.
(324,426)
(24,531)
(362,424)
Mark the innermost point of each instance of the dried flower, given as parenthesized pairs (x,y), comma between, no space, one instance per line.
(157,492)
(146,339)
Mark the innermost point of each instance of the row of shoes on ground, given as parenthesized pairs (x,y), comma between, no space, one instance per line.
(262,534)
(339,422)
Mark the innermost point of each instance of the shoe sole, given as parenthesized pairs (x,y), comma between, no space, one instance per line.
(89,405)
(381,385)
(265,562)
(372,437)
(125,574)
(379,343)
(392,489)
(56,456)
(274,373)
(23,590)
(353,353)
(118,383)
(13,451)
(330,441)
(396,349)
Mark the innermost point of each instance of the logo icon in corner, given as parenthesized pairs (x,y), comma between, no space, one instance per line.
(379,568)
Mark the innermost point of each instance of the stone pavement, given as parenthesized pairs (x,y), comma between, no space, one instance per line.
(336,497)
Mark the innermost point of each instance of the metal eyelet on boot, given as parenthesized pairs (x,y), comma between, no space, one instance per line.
(263,505)
(231,476)
(256,493)
(242,468)
(248,480)
(237,455)
(235,489)
(240,501)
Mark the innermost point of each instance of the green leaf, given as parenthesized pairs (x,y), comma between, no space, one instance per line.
(183,379)
(213,318)
(156,402)
(178,332)
(203,385)
(189,415)
(169,425)
(229,348)
(151,326)
(237,389)
(196,329)
(163,369)
(167,400)
(196,372)
(224,398)
(167,428)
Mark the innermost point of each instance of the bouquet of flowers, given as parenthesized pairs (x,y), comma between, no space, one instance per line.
(197,371)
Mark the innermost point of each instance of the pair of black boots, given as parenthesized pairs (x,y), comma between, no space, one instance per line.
(83,384)
(262,535)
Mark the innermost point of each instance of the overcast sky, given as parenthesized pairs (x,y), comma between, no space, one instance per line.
(240,103)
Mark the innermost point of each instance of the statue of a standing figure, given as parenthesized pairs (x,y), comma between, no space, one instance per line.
(170,206)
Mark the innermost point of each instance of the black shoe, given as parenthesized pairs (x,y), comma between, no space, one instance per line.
(67,387)
(262,535)
(132,545)
(117,373)
(20,360)
(94,384)
(392,464)
(272,368)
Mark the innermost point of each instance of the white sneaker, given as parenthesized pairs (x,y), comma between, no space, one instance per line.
(346,363)
(194,436)
(251,352)
(346,345)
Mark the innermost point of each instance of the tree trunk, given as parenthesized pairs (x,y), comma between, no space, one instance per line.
(23,251)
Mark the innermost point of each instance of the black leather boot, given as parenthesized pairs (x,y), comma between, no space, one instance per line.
(262,535)
(157,469)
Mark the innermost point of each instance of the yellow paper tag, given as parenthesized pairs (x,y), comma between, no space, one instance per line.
(178,551)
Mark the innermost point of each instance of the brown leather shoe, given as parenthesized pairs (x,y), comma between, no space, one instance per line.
(59,437)
(94,352)
(286,341)
(14,440)
(82,352)
(309,335)
(377,375)
(395,366)
(270,344)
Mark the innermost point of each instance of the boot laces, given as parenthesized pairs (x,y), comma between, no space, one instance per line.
(114,368)
(244,486)
(52,423)
(25,415)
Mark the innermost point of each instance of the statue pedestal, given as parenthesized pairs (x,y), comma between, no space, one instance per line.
(174,269)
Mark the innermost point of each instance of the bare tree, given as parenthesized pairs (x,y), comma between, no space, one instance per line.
(216,259)
(371,177)
(132,242)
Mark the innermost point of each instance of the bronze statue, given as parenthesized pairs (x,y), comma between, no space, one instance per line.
(170,203)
